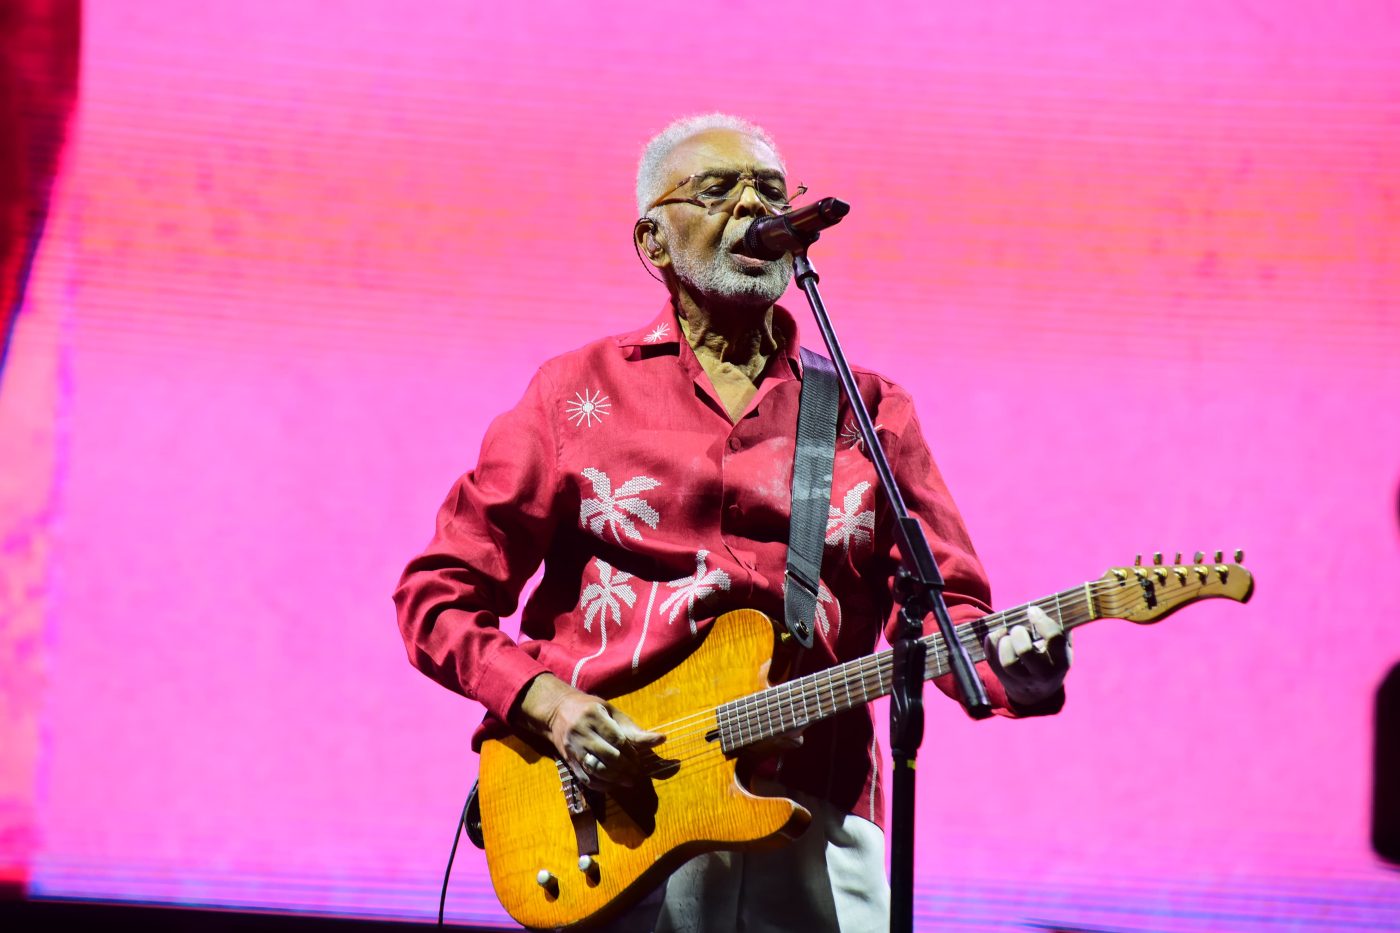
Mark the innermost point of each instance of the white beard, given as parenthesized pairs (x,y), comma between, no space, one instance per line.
(725,281)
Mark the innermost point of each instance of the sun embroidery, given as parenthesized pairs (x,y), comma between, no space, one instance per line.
(659,333)
(851,435)
(587,407)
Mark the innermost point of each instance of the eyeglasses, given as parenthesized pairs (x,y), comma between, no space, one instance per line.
(720,191)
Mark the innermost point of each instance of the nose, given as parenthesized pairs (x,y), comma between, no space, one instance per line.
(749,203)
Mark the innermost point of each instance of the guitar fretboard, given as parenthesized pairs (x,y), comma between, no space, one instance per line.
(814,697)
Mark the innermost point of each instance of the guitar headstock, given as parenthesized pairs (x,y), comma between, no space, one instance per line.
(1145,594)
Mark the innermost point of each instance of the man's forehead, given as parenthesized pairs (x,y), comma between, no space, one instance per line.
(722,150)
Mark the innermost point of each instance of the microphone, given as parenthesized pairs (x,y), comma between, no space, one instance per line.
(771,237)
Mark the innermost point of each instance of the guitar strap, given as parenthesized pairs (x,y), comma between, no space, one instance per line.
(813,459)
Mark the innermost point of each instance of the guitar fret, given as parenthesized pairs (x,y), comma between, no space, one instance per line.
(799,703)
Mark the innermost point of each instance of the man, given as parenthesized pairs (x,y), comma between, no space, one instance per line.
(651,473)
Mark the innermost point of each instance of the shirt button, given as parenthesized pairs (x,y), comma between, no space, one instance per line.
(734,443)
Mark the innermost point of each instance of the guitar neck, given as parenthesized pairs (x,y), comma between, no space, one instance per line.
(814,697)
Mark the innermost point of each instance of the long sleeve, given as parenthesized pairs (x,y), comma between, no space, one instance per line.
(492,532)
(967,593)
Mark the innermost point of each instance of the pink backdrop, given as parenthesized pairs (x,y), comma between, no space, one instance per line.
(1138,264)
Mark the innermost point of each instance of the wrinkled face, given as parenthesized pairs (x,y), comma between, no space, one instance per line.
(706,249)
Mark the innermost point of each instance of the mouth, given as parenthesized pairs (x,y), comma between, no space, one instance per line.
(742,258)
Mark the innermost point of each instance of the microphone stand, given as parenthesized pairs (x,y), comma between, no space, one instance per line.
(918,591)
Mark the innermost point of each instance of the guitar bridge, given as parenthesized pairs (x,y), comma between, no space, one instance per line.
(581,814)
(573,791)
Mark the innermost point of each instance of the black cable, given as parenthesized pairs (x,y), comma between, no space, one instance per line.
(461,823)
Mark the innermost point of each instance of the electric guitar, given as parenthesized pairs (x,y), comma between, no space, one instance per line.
(562,855)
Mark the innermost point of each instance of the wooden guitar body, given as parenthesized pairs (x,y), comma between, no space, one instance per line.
(562,856)
(693,803)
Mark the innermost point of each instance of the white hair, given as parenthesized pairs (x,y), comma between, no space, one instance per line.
(649,177)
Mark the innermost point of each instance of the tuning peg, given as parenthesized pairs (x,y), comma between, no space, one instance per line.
(1220,557)
(1137,561)
(1157,558)
(1178,558)
(1200,557)
(1239,555)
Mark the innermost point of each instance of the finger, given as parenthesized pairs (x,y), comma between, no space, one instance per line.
(992,652)
(604,755)
(1020,638)
(1045,627)
(1061,654)
(1006,650)
(597,774)
(634,733)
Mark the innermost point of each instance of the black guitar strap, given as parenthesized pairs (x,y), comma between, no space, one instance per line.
(812,464)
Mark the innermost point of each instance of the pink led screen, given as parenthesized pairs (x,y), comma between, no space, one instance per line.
(1137,263)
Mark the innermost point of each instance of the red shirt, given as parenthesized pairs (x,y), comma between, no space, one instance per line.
(654,513)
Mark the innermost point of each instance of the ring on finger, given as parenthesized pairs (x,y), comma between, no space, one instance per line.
(592,762)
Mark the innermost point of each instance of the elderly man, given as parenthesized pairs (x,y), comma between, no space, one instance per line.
(651,473)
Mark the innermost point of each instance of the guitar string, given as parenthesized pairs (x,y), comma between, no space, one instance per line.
(859,673)
(684,748)
(1010,617)
(811,686)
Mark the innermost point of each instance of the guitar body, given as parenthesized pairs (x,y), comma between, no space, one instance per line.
(694,804)
(538,821)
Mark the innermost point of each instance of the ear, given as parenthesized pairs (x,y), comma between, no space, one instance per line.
(651,242)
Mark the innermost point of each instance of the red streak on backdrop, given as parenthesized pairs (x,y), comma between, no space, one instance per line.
(39,42)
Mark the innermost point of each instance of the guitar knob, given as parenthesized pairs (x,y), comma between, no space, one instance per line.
(545,879)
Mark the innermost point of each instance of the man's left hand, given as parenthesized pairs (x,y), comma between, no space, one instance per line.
(1030,660)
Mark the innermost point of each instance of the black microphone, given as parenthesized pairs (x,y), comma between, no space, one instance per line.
(771,237)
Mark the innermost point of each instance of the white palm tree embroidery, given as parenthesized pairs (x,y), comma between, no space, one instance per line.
(660,332)
(692,589)
(646,625)
(824,597)
(611,510)
(588,406)
(848,525)
(601,601)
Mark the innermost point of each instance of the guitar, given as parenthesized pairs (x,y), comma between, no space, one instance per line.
(562,855)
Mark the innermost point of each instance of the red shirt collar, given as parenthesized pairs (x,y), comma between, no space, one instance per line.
(664,331)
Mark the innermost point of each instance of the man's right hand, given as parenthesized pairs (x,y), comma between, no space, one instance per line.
(599,743)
